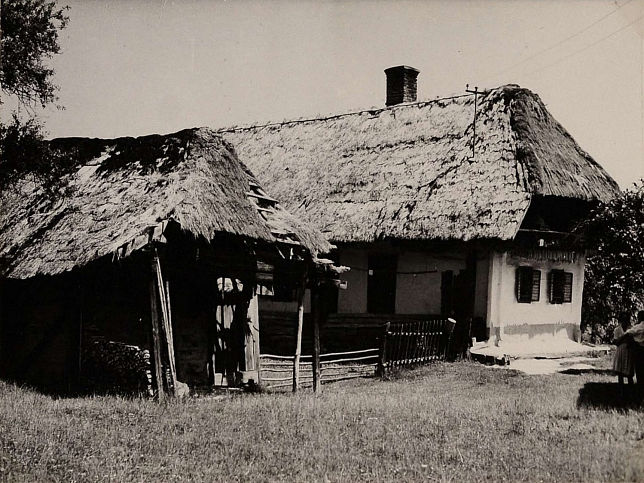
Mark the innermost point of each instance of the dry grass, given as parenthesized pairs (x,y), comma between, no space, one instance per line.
(407,171)
(121,188)
(443,422)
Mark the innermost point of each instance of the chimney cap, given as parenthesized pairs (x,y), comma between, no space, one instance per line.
(401,67)
(401,84)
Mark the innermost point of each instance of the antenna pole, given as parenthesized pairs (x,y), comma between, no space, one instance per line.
(476,95)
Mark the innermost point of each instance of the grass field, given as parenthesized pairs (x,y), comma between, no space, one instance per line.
(452,422)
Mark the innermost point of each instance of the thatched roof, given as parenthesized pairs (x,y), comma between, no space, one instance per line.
(126,190)
(407,172)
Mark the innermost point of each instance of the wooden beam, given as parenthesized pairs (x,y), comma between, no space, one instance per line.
(164,298)
(253,361)
(316,316)
(264,210)
(298,338)
(156,338)
(382,360)
(170,338)
(81,300)
(2,316)
(261,197)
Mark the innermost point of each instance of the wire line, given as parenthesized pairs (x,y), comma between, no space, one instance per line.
(576,34)
(587,46)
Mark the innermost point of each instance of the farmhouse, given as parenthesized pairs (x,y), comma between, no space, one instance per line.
(159,243)
(461,206)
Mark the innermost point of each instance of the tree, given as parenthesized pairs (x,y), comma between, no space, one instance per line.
(29,38)
(614,285)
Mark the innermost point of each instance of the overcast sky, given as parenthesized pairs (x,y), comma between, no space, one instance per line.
(129,68)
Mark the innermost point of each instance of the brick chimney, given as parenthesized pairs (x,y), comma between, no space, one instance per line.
(401,84)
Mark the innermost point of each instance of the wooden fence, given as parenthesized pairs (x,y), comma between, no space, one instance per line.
(415,342)
(402,343)
(279,371)
(341,332)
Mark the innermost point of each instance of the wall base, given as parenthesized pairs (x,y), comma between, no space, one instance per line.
(538,335)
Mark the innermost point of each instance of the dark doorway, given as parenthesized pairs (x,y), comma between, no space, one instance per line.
(381,284)
(457,301)
(447,293)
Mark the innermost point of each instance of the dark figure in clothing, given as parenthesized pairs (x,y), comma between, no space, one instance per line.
(623,362)
(636,335)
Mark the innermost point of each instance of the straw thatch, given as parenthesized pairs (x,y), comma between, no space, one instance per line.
(407,171)
(124,191)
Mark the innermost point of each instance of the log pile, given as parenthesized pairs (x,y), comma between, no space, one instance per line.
(109,367)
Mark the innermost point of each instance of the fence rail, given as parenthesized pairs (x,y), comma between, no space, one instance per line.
(402,343)
(278,371)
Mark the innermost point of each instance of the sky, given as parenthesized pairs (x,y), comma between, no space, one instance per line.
(135,67)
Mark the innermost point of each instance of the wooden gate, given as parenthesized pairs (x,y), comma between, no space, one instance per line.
(412,342)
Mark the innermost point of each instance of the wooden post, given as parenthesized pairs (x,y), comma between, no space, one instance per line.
(2,302)
(254,360)
(298,338)
(80,336)
(170,338)
(156,338)
(316,316)
(382,360)
(164,298)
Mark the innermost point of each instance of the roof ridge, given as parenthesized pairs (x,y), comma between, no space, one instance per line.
(376,110)
(185,131)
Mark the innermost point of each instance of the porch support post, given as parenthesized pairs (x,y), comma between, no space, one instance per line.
(2,316)
(501,321)
(382,356)
(80,292)
(253,359)
(170,338)
(156,330)
(316,316)
(163,292)
(298,338)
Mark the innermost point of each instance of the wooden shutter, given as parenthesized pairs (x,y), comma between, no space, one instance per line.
(567,288)
(528,285)
(560,287)
(536,285)
(524,285)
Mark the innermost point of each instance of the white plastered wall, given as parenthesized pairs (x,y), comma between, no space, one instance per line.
(512,321)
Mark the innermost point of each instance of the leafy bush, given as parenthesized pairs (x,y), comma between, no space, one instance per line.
(614,286)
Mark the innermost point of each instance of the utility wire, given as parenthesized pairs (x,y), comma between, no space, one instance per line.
(576,34)
(415,272)
(587,46)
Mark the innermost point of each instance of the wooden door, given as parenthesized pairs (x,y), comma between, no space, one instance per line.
(381,284)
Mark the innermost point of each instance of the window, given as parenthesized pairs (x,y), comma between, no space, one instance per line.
(528,285)
(381,284)
(560,287)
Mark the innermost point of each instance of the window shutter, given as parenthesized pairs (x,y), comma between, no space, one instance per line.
(536,285)
(554,287)
(524,284)
(560,287)
(567,288)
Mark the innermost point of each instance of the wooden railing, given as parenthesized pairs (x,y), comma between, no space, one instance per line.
(280,371)
(342,332)
(415,342)
(401,341)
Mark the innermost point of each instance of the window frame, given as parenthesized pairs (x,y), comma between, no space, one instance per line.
(532,276)
(560,281)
